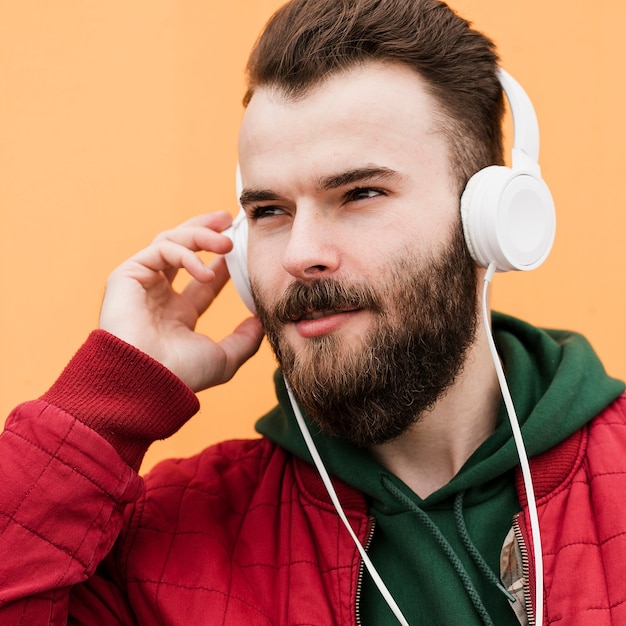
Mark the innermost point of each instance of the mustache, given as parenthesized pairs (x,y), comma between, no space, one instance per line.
(323,294)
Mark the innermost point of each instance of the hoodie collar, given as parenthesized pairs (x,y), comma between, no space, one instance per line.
(557,383)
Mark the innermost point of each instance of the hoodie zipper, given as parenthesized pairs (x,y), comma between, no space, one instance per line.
(517,530)
(359,583)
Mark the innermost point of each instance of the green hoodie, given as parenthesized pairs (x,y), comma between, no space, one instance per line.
(557,384)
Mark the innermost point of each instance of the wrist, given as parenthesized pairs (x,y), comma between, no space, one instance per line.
(126,396)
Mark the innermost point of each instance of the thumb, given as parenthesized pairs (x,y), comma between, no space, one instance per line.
(241,344)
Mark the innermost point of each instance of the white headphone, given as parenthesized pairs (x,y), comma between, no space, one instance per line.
(507,212)
(237,258)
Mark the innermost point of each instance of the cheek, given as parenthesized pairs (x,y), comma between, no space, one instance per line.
(265,273)
(259,261)
(266,252)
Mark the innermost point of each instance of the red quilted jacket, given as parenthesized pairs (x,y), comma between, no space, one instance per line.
(244,533)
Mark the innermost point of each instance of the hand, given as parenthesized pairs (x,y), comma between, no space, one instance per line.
(141,307)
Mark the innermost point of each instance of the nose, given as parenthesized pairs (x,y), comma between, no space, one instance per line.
(312,250)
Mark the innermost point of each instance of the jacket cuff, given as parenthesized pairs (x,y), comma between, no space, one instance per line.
(123,394)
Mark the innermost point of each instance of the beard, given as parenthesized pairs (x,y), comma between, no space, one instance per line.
(371,391)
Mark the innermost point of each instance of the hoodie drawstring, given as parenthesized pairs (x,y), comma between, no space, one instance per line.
(449,551)
(473,550)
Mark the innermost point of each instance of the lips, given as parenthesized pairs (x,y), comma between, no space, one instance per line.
(316,315)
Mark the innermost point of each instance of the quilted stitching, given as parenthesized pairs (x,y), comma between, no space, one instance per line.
(239,534)
(45,469)
(245,556)
(584,530)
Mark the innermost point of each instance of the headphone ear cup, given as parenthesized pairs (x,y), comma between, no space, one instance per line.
(508,218)
(237,259)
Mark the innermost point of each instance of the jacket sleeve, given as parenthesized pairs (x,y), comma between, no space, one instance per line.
(68,470)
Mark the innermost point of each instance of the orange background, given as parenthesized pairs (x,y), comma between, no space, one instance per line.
(119,119)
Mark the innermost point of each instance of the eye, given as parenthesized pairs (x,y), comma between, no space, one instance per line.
(363,193)
(259,212)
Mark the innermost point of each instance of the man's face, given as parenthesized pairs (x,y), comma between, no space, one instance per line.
(356,255)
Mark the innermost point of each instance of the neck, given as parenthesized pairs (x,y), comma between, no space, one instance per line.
(428,455)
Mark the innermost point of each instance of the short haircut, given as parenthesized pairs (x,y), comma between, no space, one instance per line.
(306,41)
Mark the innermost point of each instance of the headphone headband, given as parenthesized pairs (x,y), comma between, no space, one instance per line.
(525,125)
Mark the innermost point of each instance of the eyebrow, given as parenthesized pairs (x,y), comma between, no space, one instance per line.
(325,183)
(357,175)
(250,196)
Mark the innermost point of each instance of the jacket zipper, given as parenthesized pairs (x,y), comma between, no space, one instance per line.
(359,583)
(517,530)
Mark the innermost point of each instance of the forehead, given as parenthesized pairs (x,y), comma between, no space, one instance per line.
(376,110)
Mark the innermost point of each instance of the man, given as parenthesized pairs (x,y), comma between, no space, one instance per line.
(364,122)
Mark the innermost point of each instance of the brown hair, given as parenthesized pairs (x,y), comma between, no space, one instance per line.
(305,41)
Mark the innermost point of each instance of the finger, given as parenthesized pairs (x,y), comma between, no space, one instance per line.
(201,232)
(197,235)
(196,239)
(241,344)
(218,220)
(168,258)
(201,295)
(200,229)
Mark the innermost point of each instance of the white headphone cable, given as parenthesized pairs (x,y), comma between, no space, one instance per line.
(521,452)
(335,500)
